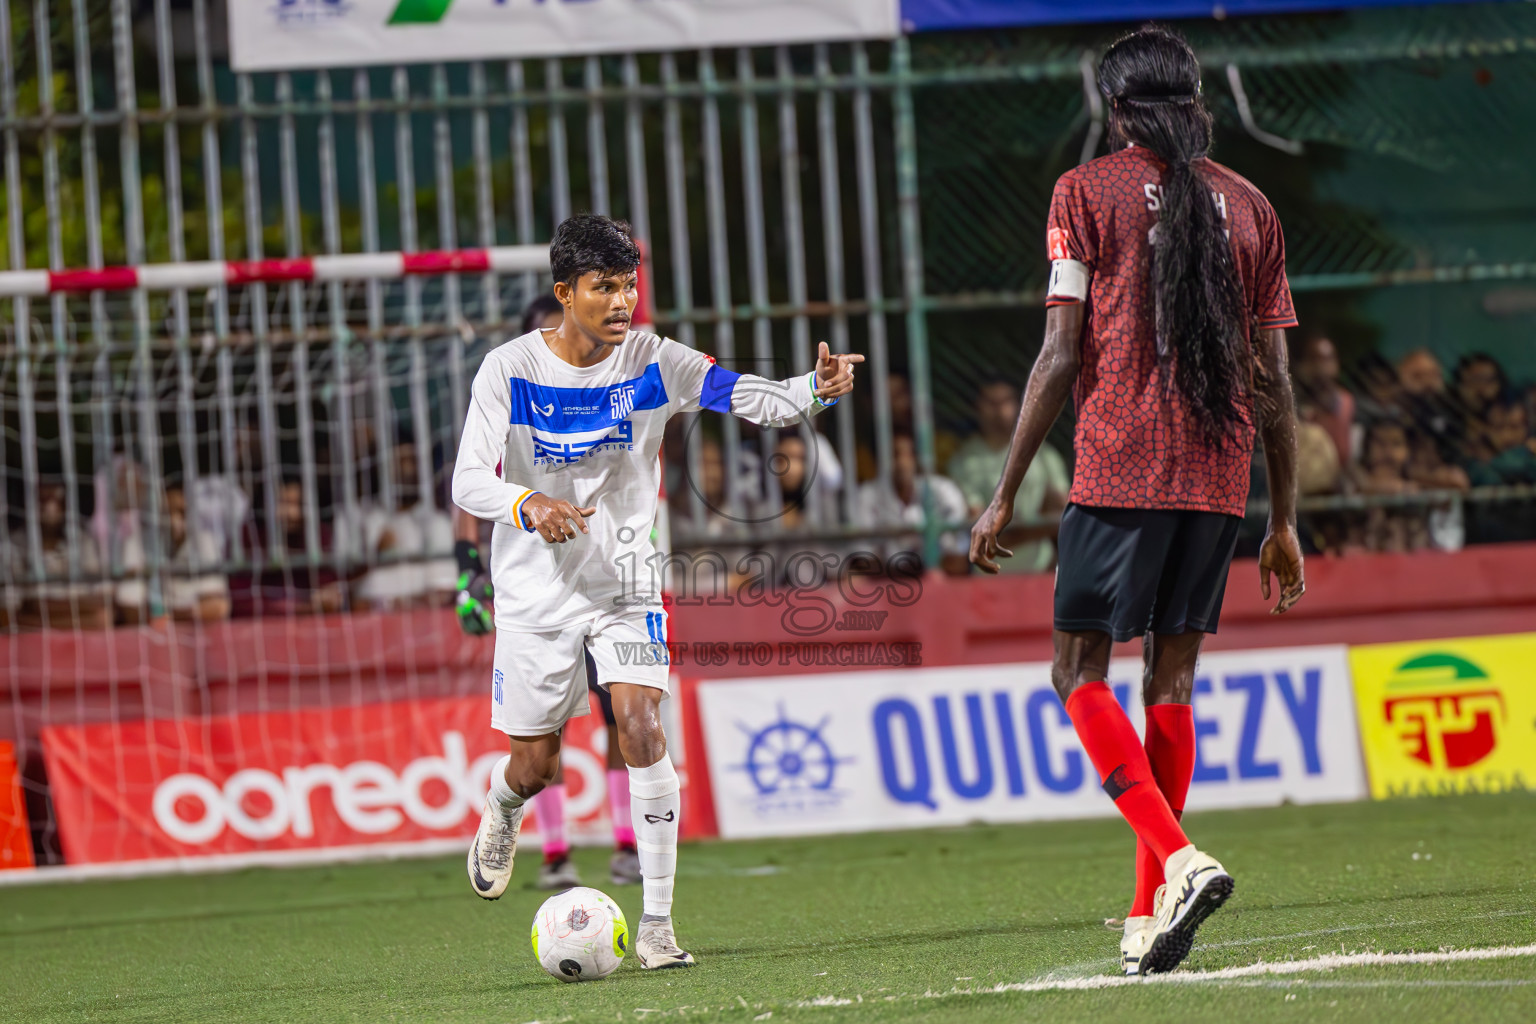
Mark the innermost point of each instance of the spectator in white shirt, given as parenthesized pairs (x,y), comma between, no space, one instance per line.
(902,503)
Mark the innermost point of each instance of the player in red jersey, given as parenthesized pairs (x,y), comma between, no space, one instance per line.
(1167,313)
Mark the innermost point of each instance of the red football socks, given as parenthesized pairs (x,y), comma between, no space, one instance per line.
(1170,749)
(1117,754)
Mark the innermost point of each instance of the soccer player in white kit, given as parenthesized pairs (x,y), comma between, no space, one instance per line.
(574,415)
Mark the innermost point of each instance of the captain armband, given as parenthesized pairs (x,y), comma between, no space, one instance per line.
(1069,282)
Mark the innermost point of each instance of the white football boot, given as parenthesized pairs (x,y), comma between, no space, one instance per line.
(490,858)
(656,946)
(1197,885)
(1133,944)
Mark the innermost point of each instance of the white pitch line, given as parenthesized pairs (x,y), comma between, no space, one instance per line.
(1240,975)
(1376,925)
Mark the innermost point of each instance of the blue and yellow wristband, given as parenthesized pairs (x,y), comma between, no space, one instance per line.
(517,510)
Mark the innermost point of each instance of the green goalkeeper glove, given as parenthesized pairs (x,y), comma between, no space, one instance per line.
(473,604)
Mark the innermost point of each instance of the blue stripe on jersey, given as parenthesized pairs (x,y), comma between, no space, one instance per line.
(584,410)
(718,385)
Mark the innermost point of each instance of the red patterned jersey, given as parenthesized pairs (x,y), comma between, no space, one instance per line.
(1137,445)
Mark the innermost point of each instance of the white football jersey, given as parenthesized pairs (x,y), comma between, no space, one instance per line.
(590,435)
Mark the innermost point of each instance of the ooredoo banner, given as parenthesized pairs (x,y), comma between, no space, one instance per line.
(374,773)
(915,747)
(1448,716)
(272,34)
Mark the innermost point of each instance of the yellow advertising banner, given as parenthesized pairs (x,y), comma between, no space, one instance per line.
(1447,716)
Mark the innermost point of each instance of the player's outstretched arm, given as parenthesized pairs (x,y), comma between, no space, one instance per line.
(1050,384)
(767,403)
(1276,408)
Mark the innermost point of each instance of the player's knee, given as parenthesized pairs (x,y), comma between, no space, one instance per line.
(1159,691)
(638,728)
(641,740)
(528,776)
(1064,679)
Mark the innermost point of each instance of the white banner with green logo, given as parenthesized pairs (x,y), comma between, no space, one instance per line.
(272,34)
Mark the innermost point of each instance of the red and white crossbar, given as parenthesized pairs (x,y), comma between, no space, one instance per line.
(379,266)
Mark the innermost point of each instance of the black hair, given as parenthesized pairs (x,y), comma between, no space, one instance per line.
(1152,81)
(538,309)
(996,380)
(589,243)
(1471,359)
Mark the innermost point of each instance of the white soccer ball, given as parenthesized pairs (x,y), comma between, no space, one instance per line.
(580,935)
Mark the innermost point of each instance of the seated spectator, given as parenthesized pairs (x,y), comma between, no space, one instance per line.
(286,582)
(902,504)
(220,509)
(1419,372)
(977,466)
(74,593)
(193,585)
(409,549)
(1428,469)
(1318,466)
(1511,459)
(122,500)
(899,391)
(1383,470)
(1480,381)
(1379,395)
(1425,401)
(1320,396)
(1507,448)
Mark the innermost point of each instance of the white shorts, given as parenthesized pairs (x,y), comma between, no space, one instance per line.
(539,680)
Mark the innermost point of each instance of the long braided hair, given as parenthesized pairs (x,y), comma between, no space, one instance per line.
(1152,82)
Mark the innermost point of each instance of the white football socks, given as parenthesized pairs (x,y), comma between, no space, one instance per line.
(653,797)
(502,795)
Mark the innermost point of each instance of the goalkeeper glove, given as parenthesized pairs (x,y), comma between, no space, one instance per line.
(473,603)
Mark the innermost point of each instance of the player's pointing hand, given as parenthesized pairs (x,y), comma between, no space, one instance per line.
(834,374)
(555,520)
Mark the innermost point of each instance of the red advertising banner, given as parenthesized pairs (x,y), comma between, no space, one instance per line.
(324,777)
(15,837)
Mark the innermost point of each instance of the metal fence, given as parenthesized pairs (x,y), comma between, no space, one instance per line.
(886,198)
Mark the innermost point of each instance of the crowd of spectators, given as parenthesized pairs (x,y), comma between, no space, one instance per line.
(1407,440)
(1413,442)
(219,554)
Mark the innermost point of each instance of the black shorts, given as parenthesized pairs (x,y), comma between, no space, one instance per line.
(603,696)
(1131,571)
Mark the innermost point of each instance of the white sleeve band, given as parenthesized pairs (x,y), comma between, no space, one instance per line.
(1069,281)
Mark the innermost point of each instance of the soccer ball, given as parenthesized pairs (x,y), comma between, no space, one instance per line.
(580,935)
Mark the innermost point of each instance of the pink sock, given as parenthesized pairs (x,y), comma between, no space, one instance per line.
(549,808)
(618,807)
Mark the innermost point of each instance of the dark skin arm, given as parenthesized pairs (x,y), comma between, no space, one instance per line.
(1050,385)
(1276,409)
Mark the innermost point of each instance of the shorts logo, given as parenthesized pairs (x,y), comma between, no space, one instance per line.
(656,626)
(496,693)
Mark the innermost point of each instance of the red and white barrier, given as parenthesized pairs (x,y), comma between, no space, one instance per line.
(380,266)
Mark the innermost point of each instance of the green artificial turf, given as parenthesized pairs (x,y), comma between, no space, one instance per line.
(895,926)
